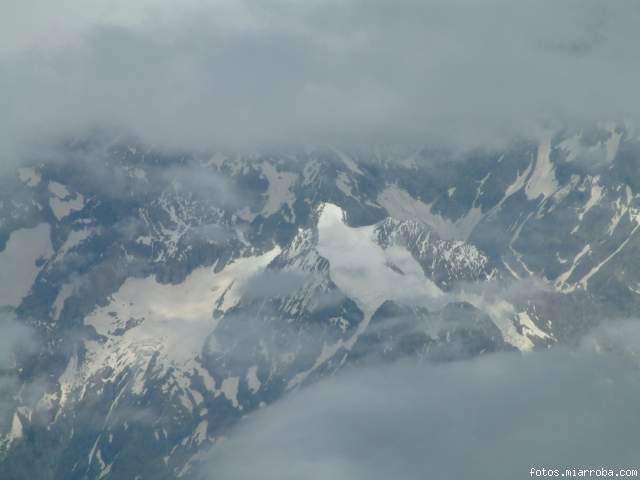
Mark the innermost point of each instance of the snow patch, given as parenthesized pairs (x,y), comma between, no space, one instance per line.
(343,182)
(530,328)
(503,314)
(620,210)
(62,203)
(200,433)
(16,427)
(65,292)
(594,198)
(562,279)
(571,146)
(29,176)
(399,204)
(75,238)
(348,161)
(252,379)
(18,269)
(58,190)
(167,323)
(613,144)
(543,178)
(355,258)
(138,173)
(67,380)
(585,280)
(229,389)
(147,315)
(279,192)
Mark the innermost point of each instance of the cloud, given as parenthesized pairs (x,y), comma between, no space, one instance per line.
(493,417)
(211,232)
(617,338)
(248,74)
(16,338)
(273,283)
(204,183)
(512,290)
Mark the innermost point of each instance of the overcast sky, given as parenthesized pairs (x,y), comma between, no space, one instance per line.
(205,74)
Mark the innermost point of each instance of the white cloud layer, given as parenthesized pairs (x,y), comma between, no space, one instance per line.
(494,417)
(245,73)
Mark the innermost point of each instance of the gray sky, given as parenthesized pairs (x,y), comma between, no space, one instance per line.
(246,73)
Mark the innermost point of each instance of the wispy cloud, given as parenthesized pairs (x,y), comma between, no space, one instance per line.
(493,417)
(16,338)
(17,342)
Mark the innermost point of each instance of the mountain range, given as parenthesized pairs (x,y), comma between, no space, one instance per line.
(156,298)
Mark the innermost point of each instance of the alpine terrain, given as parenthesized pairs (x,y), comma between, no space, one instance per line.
(155,310)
